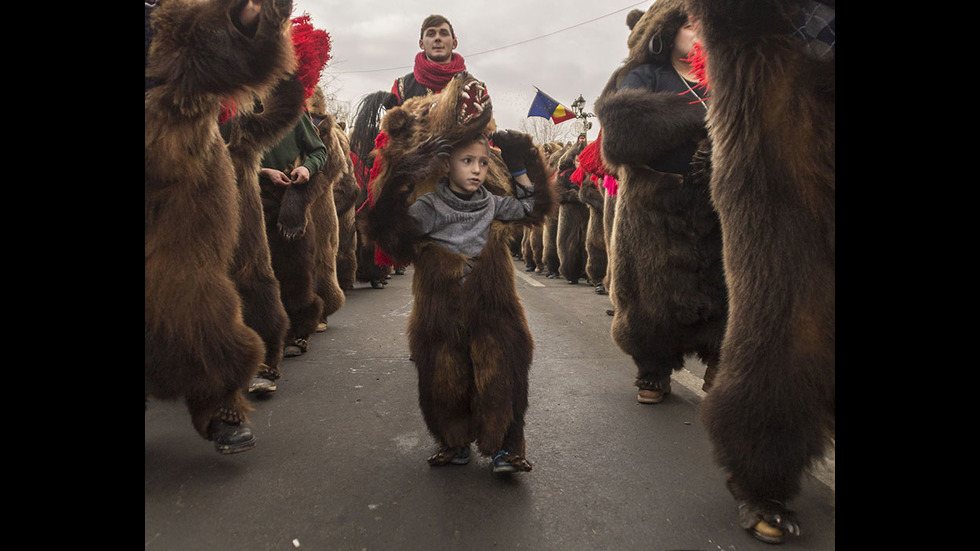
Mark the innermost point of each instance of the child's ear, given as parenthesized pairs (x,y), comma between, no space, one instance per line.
(445,166)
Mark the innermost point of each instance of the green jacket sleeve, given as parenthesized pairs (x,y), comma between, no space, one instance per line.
(311,145)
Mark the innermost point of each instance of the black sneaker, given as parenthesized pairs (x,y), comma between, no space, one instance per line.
(230,438)
(501,464)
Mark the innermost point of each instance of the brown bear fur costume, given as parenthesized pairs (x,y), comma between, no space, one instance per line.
(470,341)
(346,191)
(249,135)
(335,172)
(591,195)
(549,231)
(196,344)
(608,223)
(573,220)
(534,236)
(772,123)
(533,243)
(590,161)
(596,196)
(527,250)
(291,228)
(363,137)
(667,282)
(337,244)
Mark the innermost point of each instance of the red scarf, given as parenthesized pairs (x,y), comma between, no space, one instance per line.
(435,76)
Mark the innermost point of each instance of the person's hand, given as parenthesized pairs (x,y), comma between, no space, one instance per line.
(300,175)
(277,177)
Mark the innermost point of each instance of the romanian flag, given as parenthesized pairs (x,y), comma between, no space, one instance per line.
(547,107)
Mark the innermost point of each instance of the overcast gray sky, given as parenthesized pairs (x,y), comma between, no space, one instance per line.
(564,48)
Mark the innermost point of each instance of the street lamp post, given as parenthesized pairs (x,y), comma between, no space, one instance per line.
(578,107)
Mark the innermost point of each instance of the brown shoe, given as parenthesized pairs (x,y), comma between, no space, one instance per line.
(653,395)
(645,396)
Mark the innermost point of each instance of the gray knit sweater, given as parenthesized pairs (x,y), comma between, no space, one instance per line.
(463,225)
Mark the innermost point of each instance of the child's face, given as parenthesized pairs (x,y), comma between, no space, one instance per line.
(468,167)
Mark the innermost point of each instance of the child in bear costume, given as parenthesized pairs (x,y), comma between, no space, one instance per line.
(468,335)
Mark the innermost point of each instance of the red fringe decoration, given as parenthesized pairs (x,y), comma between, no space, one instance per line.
(591,157)
(611,185)
(312,52)
(228,109)
(381,141)
(699,62)
(381,258)
(358,172)
(375,170)
(578,176)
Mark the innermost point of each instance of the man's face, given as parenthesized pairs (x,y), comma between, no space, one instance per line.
(438,43)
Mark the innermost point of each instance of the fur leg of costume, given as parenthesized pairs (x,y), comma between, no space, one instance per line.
(293,237)
(197,345)
(249,136)
(595,235)
(608,223)
(772,410)
(573,221)
(549,247)
(346,192)
(335,173)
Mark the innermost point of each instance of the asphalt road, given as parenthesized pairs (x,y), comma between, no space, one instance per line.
(340,459)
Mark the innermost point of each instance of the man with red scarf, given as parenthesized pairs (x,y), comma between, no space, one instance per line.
(435,65)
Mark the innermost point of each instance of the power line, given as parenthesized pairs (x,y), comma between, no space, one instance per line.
(594,19)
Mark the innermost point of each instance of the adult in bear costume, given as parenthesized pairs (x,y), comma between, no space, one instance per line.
(772,122)
(249,134)
(573,219)
(291,228)
(335,172)
(590,161)
(667,282)
(346,192)
(549,231)
(290,191)
(337,245)
(468,336)
(196,343)
(364,134)
(591,194)
(533,248)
